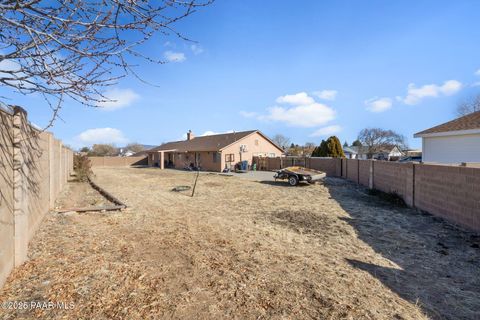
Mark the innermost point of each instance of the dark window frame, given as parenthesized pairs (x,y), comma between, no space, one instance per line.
(230,157)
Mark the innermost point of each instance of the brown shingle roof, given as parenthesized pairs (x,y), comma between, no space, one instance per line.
(205,143)
(468,122)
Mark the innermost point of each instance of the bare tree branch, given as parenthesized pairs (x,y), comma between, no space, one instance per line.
(375,140)
(469,106)
(76,48)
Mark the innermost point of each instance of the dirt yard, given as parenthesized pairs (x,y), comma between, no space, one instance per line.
(246,250)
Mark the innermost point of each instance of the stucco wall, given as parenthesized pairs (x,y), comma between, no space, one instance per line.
(451,149)
(205,160)
(6,196)
(34,168)
(262,147)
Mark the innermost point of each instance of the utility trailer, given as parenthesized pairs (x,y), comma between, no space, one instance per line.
(295,175)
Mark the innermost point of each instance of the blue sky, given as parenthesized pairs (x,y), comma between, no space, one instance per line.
(304,69)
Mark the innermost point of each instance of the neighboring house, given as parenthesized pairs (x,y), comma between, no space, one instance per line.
(214,152)
(390,154)
(455,141)
(393,154)
(350,152)
(126,152)
(413,153)
(354,152)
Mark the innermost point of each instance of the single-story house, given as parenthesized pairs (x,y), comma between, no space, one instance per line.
(357,152)
(350,152)
(393,154)
(452,142)
(214,152)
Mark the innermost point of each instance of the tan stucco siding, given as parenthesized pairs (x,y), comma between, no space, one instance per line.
(205,160)
(256,145)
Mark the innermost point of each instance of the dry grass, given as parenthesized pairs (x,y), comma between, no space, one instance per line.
(242,249)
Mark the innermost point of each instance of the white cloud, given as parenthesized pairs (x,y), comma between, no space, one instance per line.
(248,114)
(117,99)
(196,49)
(303,111)
(211,133)
(477,73)
(9,65)
(378,104)
(326,94)
(12,70)
(326,131)
(315,114)
(172,56)
(415,95)
(101,135)
(301,98)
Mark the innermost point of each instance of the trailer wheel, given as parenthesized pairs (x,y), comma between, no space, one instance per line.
(293,180)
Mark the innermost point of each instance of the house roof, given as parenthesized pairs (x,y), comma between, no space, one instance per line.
(466,124)
(215,142)
(350,150)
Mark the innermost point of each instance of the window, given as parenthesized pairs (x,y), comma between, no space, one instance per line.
(229,157)
(256,142)
(243,148)
(216,157)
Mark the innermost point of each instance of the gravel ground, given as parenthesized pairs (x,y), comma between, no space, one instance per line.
(246,250)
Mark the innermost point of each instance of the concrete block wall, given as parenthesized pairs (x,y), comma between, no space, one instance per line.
(34,168)
(352,170)
(330,166)
(365,169)
(327,165)
(451,192)
(117,161)
(343,171)
(394,177)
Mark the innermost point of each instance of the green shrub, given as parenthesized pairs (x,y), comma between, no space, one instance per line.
(330,148)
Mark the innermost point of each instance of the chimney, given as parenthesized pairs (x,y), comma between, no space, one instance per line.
(190,135)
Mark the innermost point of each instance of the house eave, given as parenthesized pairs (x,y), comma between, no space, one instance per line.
(447,133)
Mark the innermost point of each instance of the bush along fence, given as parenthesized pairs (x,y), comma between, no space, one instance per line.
(34,167)
(451,192)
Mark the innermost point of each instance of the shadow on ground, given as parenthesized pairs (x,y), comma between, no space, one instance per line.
(283,183)
(440,264)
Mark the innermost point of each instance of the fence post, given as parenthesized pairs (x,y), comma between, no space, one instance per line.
(358,171)
(414,167)
(20,202)
(370,177)
(346,169)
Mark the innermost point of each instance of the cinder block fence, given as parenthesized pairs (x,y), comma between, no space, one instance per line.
(451,192)
(34,167)
(118,161)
